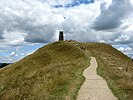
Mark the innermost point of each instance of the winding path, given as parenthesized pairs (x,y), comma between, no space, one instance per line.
(94,87)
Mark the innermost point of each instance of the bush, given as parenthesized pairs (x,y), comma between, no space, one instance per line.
(3,65)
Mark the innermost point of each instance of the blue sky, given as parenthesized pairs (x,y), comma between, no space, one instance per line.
(74,3)
(26,25)
(14,54)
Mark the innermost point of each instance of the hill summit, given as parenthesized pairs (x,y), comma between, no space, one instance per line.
(54,72)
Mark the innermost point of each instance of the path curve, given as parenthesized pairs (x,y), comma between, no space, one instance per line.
(94,87)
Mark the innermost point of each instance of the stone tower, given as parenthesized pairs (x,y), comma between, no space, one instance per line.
(61,37)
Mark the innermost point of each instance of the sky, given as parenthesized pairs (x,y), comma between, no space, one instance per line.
(26,25)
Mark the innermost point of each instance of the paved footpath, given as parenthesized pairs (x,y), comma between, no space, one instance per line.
(94,87)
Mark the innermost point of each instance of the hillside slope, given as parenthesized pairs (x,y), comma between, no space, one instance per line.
(54,72)
(115,67)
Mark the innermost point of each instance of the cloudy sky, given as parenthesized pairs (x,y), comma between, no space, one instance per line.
(26,25)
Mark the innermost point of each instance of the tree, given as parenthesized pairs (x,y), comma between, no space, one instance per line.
(3,65)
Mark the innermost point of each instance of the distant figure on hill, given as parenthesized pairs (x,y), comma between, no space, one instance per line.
(61,37)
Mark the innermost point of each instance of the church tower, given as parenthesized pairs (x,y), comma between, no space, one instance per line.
(61,37)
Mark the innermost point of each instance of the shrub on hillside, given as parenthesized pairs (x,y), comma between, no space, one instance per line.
(3,65)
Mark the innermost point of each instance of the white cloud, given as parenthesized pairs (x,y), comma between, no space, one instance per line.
(14,54)
(27,22)
(111,17)
(122,38)
(126,50)
(40,21)
(122,49)
(58,2)
(14,38)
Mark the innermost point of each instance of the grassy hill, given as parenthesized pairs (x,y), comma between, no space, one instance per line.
(54,72)
(115,67)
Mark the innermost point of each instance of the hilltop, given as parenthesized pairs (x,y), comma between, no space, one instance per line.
(54,72)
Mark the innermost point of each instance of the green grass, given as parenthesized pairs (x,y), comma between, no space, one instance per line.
(54,72)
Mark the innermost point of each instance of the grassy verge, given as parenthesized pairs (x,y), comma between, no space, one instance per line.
(54,72)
